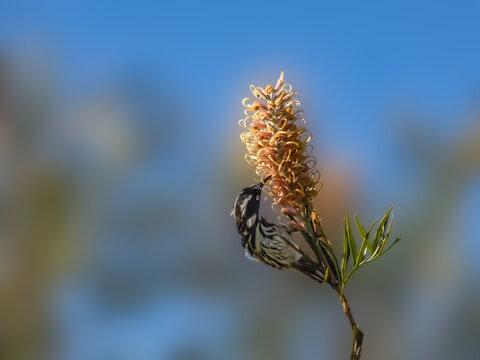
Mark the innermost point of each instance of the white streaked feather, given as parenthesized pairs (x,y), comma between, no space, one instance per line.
(243,205)
(251,220)
(249,257)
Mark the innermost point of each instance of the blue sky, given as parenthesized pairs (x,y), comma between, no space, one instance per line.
(355,63)
(356,52)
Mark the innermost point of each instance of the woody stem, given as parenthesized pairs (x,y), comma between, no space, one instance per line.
(357,333)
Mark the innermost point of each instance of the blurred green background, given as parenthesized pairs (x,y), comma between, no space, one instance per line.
(120,160)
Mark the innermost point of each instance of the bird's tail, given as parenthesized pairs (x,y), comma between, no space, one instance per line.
(307,268)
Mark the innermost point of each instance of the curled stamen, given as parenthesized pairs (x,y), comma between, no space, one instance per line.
(242,123)
(308,149)
(310,162)
(278,146)
(279,81)
(273,161)
(285,86)
(244,101)
(293,103)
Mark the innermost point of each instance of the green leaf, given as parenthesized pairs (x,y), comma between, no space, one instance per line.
(361,253)
(360,228)
(381,229)
(347,233)
(311,243)
(364,235)
(385,236)
(345,256)
(391,245)
(325,249)
(382,234)
(331,259)
(325,277)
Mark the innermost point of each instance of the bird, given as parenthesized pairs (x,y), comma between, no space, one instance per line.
(267,242)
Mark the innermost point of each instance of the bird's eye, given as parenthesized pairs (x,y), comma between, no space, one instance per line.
(258,197)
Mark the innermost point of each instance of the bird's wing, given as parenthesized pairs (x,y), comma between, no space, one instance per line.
(268,226)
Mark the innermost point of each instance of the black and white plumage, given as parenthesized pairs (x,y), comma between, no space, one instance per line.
(265,241)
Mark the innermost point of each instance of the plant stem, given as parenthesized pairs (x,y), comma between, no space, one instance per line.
(357,333)
(311,236)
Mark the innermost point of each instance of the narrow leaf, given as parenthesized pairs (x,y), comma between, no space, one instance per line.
(360,228)
(345,256)
(387,234)
(325,277)
(329,255)
(391,245)
(349,237)
(381,229)
(364,235)
(361,253)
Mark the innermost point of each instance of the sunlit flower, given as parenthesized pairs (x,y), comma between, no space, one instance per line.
(277,144)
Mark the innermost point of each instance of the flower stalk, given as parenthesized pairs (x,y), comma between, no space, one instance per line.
(357,333)
(278,146)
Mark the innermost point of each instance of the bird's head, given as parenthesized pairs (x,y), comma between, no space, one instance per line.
(248,201)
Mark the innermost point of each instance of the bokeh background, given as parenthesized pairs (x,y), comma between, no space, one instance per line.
(120,160)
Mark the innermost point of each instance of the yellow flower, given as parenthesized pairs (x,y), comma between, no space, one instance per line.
(277,144)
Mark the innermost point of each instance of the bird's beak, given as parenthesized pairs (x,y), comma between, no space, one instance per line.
(264,181)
